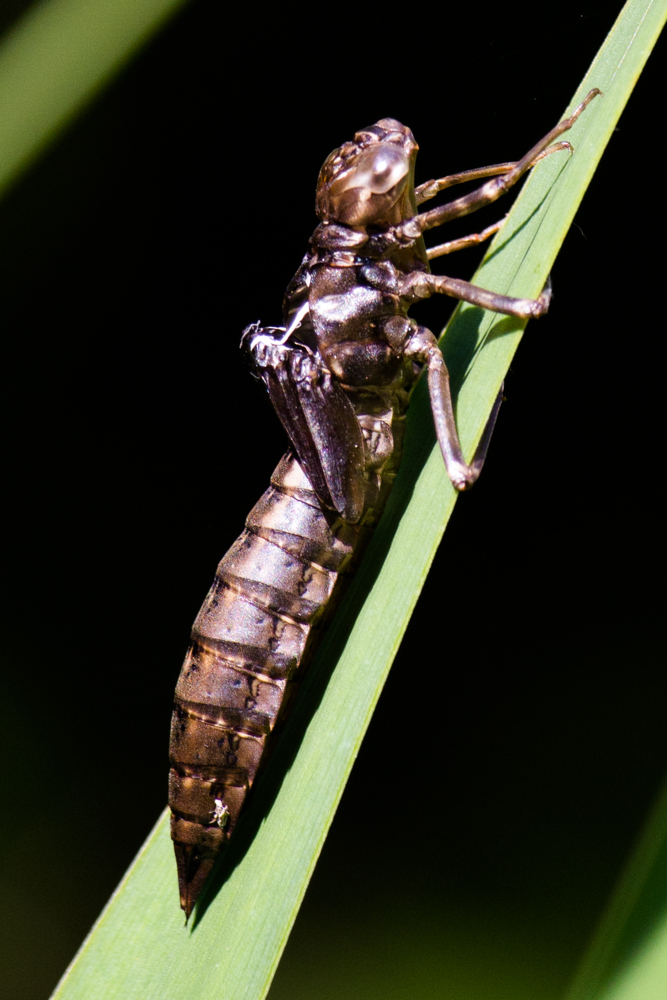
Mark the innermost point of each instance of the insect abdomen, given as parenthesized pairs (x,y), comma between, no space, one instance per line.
(247,642)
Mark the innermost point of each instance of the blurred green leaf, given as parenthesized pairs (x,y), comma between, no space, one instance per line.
(627,959)
(56,58)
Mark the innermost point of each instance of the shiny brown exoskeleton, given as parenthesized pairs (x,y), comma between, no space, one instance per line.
(339,374)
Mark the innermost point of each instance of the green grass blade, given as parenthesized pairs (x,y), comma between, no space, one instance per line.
(139,947)
(56,58)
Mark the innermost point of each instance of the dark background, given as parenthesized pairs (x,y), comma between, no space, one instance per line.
(169,216)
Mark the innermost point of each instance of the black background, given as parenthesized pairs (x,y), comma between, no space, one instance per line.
(169,216)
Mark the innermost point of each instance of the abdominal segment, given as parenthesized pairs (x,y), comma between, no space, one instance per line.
(247,643)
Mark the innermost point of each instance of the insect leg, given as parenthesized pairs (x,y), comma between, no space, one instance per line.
(468,241)
(465,241)
(493,189)
(430,188)
(422,345)
(418,286)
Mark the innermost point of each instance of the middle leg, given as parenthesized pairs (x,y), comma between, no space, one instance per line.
(464,242)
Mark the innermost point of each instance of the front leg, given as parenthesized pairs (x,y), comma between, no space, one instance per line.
(424,192)
(431,188)
(419,285)
(493,189)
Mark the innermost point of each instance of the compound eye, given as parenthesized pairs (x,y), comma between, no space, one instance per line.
(377,169)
